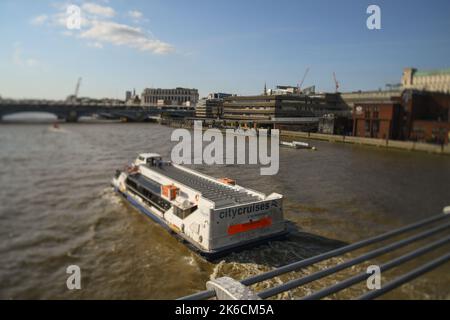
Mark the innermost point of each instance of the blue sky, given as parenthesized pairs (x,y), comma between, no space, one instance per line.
(228,46)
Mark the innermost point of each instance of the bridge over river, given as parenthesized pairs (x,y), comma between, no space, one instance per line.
(71,112)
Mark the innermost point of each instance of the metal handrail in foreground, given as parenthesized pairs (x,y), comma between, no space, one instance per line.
(406,277)
(334,253)
(372,254)
(363,276)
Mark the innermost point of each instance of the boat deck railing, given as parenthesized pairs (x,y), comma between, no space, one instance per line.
(435,227)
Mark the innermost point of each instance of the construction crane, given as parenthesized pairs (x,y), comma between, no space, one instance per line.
(73,97)
(77,88)
(336,82)
(303,80)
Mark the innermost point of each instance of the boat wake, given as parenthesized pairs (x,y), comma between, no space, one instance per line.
(190,260)
(53,129)
(110,196)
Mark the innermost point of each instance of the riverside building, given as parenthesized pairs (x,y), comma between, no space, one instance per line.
(178,96)
(212,106)
(432,81)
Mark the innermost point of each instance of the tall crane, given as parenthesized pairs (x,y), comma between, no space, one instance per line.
(336,83)
(77,88)
(303,80)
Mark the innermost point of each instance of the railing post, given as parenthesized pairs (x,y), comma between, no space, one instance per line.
(227,288)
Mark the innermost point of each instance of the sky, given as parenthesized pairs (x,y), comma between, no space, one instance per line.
(215,46)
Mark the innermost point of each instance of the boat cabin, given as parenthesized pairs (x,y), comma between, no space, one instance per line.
(152,159)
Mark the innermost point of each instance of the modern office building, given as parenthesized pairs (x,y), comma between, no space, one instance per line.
(282,90)
(131,98)
(212,106)
(328,103)
(128,95)
(289,111)
(209,108)
(219,95)
(257,108)
(177,96)
(276,111)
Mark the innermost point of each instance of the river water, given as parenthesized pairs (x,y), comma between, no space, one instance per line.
(57,209)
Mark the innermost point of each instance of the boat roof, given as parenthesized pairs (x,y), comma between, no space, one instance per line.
(150,155)
(222,195)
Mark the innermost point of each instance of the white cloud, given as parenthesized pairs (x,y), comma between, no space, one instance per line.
(99,29)
(97,45)
(39,20)
(135,14)
(21,61)
(31,62)
(99,10)
(125,35)
(67,33)
(60,20)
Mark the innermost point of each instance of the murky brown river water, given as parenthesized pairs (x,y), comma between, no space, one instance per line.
(57,209)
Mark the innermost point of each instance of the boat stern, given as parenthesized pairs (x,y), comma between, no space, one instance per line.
(248,223)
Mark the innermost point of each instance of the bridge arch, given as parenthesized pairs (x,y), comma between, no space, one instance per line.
(30,112)
(28,116)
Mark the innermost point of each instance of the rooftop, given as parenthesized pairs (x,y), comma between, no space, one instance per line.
(432,72)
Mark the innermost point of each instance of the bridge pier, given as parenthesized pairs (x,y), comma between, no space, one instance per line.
(72,117)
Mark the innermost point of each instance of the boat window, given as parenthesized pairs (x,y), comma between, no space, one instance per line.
(147,195)
(153,161)
(132,184)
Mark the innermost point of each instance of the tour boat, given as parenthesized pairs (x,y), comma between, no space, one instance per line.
(211,216)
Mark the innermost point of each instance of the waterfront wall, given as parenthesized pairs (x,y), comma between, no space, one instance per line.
(286,135)
(389,144)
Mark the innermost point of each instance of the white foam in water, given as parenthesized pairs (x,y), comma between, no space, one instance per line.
(109,195)
(52,129)
(190,260)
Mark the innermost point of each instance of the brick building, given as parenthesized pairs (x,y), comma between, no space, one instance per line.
(378,120)
(415,115)
(426,116)
(430,131)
